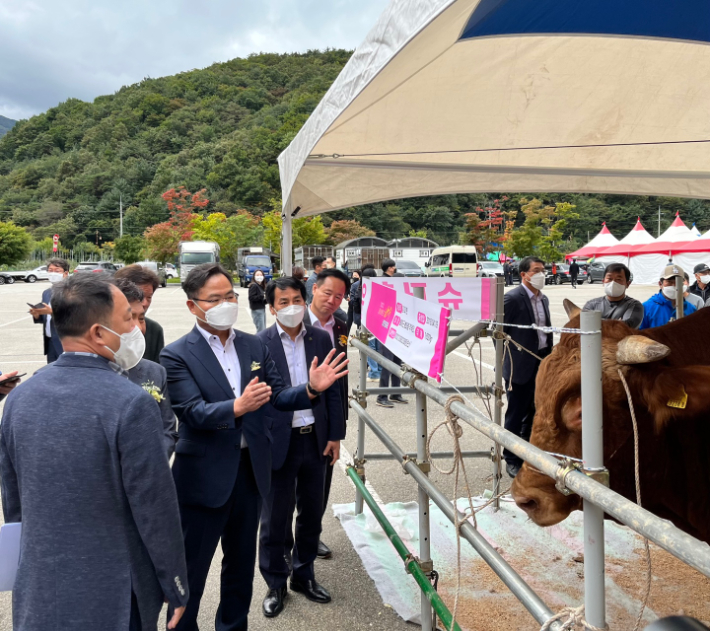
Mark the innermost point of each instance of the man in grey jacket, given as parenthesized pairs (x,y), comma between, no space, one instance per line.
(148,375)
(615,304)
(88,478)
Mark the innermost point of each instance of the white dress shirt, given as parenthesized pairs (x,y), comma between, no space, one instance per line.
(295,351)
(327,327)
(539,311)
(229,361)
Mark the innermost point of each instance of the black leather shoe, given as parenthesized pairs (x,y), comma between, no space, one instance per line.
(273,603)
(397,398)
(512,469)
(311,590)
(324,552)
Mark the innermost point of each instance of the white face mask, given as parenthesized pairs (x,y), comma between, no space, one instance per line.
(55,277)
(537,281)
(291,316)
(669,292)
(614,289)
(222,317)
(130,350)
(258,278)
(705,280)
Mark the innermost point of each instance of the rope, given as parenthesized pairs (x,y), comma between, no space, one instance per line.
(571,618)
(637,476)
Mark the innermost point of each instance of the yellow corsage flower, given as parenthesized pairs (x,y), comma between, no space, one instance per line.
(255,366)
(343,340)
(153,391)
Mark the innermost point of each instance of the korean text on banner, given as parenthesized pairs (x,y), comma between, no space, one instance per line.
(468,298)
(414,330)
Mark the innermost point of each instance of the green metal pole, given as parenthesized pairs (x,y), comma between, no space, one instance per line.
(412,566)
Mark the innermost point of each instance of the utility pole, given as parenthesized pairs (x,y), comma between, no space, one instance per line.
(659,221)
(120,210)
(97,238)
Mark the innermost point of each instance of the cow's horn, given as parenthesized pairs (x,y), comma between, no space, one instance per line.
(638,349)
(571,308)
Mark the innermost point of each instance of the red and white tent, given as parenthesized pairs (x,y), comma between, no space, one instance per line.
(596,246)
(621,252)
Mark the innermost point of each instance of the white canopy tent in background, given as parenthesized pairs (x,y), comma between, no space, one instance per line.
(597,245)
(457,96)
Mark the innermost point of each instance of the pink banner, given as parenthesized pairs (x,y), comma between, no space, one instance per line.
(381,305)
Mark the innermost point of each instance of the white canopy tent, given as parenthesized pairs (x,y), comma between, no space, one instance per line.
(456,96)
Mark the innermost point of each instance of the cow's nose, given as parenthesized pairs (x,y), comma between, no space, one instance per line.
(526,503)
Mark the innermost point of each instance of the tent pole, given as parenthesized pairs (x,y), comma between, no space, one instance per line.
(287,243)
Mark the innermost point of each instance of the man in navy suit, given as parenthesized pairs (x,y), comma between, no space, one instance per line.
(524,305)
(57,270)
(218,379)
(302,442)
(330,288)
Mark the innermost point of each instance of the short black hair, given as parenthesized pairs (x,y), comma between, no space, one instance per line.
(387,263)
(332,258)
(369,272)
(367,266)
(80,301)
(317,260)
(526,263)
(612,268)
(59,263)
(336,273)
(139,275)
(200,274)
(130,290)
(283,283)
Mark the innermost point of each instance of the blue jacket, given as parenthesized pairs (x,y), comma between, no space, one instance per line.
(208,450)
(658,310)
(52,345)
(327,409)
(89,479)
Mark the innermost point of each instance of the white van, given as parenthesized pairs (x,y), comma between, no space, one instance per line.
(453,260)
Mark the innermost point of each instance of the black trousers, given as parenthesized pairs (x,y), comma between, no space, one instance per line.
(236,523)
(519,415)
(573,280)
(387,378)
(302,476)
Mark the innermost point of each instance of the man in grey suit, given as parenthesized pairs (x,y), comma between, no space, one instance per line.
(150,376)
(88,478)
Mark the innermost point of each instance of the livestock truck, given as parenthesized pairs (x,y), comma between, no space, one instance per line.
(192,253)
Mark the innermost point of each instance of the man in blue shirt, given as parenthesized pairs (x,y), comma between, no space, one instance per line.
(659,309)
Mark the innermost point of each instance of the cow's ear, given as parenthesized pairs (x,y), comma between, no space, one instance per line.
(679,394)
(639,349)
(571,308)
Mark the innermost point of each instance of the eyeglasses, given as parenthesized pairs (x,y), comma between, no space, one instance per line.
(230,297)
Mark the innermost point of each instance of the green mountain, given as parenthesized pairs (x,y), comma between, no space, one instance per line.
(222,128)
(6,125)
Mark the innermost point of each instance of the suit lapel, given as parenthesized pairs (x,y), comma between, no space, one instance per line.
(308,344)
(245,359)
(276,348)
(202,351)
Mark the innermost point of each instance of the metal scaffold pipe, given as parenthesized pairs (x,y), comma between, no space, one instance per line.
(688,549)
(442,611)
(530,600)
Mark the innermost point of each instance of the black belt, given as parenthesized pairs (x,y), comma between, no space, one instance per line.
(306,429)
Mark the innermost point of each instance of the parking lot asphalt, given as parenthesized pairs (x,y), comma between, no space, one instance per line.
(356,604)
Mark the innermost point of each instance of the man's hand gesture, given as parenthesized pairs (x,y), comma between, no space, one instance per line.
(323,376)
(254,396)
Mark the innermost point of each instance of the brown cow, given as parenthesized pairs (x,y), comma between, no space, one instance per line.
(662,366)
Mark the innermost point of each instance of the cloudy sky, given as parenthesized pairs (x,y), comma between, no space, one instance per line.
(51,50)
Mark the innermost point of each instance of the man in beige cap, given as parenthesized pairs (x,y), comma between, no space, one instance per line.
(659,309)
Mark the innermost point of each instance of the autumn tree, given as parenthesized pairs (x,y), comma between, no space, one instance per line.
(15,243)
(484,227)
(347,229)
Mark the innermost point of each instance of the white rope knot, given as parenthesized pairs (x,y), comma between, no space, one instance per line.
(571,618)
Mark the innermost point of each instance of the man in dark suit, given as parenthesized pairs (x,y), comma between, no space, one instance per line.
(329,291)
(57,270)
(148,282)
(148,375)
(218,379)
(574,272)
(88,478)
(525,305)
(302,442)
